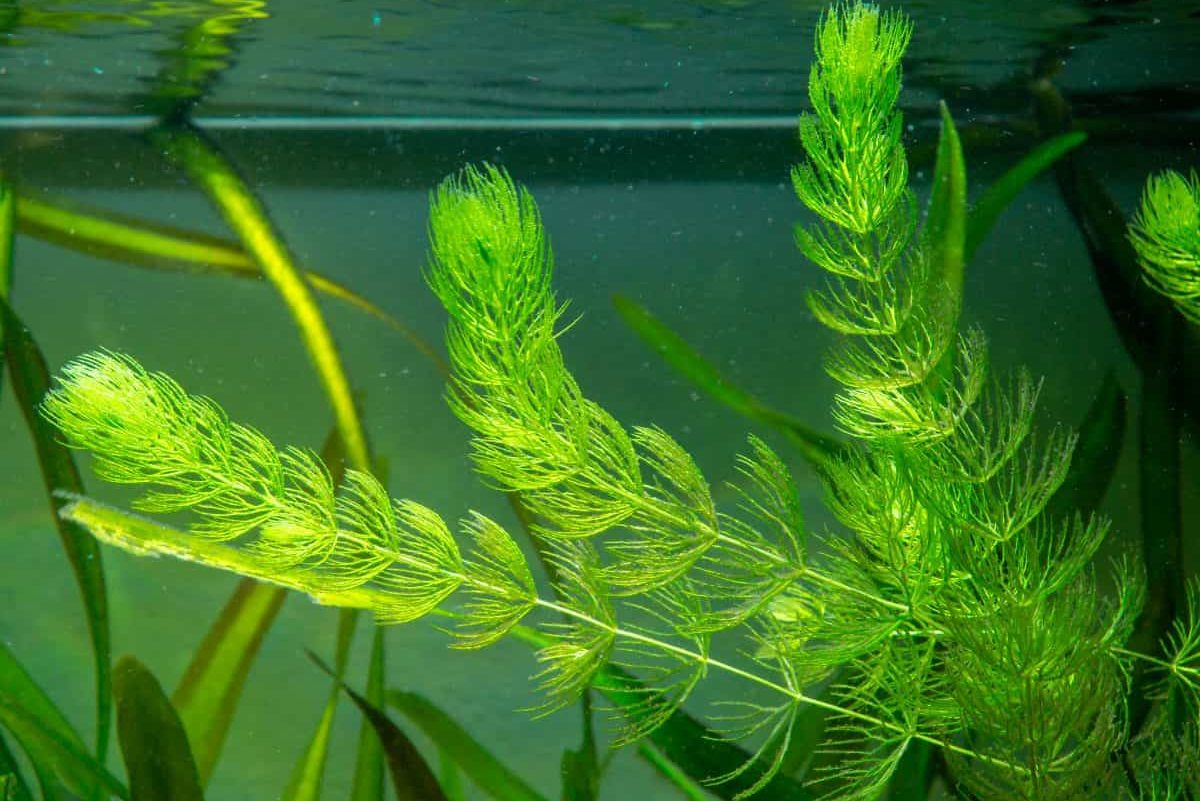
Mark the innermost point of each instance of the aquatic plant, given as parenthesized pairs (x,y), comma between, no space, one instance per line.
(955,614)
(1166,236)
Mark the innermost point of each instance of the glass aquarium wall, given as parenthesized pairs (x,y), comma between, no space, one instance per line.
(869,478)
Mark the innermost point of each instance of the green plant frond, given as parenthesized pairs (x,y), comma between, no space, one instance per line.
(1167,761)
(894,698)
(770,498)
(742,568)
(761,555)
(1126,603)
(1002,506)
(857,172)
(536,433)
(893,362)
(491,261)
(1045,560)
(914,406)
(1040,697)
(881,308)
(144,428)
(1182,648)
(1166,235)
(502,592)
(823,626)
(673,526)
(666,676)
(773,725)
(1161,787)
(894,537)
(854,259)
(770,724)
(580,473)
(583,642)
(989,435)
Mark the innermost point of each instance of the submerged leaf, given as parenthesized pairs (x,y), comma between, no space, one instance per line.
(48,739)
(153,741)
(997,197)
(412,778)
(31,383)
(483,768)
(208,693)
(817,448)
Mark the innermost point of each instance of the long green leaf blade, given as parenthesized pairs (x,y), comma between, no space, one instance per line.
(368,771)
(130,240)
(480,765)
(208,693)
(46,736)
(996,198)
(31,381)
(245,214)
(412,778)
(153,742)
(817,448)
(9,768)
(944,236)
(309,774)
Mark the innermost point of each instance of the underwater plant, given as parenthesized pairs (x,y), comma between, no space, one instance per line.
(956,614)
(1166,236)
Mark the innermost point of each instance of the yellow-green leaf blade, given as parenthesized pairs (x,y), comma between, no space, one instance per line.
(208,693)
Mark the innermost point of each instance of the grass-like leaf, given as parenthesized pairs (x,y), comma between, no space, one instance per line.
(308,774)
(153,742)
(368,767)
(412,778)
(130,240)
(245,215)
(996,198)
(207,695)
(31,382)
(48,739)
(816,447)
(488,773)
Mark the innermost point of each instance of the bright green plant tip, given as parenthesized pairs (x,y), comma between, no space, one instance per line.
(1166,235)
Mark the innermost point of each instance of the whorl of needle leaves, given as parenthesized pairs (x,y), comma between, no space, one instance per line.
(350,545)
(1166,235)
